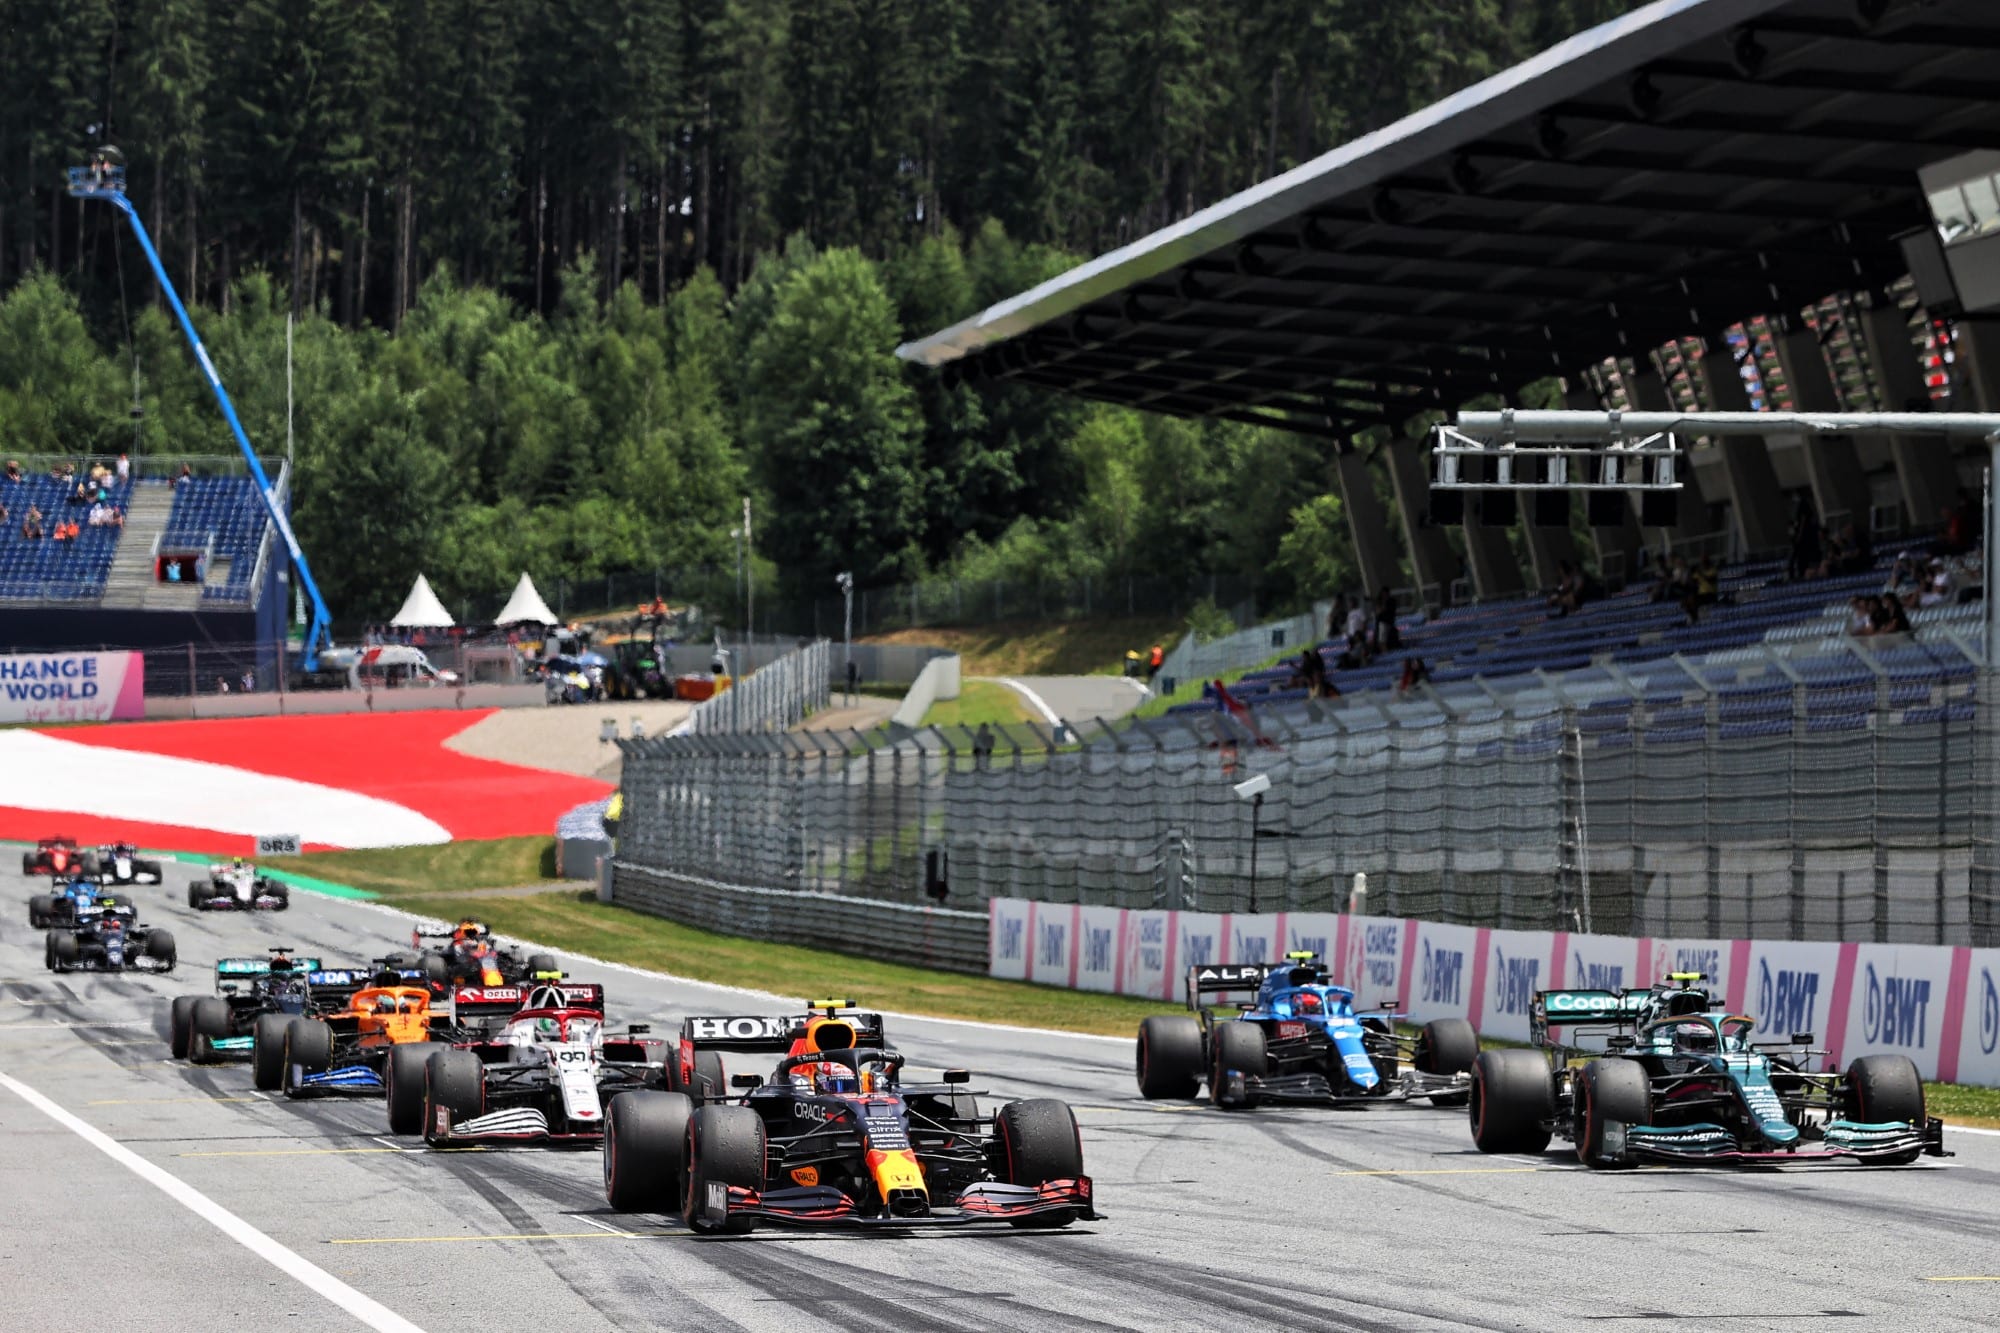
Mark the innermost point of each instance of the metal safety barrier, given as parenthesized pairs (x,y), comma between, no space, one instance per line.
(952,941)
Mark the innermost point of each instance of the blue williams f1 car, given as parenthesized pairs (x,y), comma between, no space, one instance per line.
(1672,1077)
(1300,1040)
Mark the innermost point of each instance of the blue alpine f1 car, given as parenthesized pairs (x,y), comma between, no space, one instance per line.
(1300,1040)
(59,909)
(1666,1074)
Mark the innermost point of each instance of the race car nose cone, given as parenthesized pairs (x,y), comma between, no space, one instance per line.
(1779,1133)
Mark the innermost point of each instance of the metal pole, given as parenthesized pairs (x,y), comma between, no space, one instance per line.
(1256,809)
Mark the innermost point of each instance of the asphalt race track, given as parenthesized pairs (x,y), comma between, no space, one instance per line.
(1297,1219)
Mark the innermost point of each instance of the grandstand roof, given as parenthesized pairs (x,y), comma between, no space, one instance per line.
(1691,164)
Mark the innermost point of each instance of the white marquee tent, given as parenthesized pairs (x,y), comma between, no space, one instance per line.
(422,609)
(525,606)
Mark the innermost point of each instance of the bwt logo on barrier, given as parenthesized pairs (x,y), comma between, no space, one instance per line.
(1380,949)
(1097,949)
(1895,1010)
(1514,982)
(1787,1001)
(1598,976)
(1252,948)
(1199,949)
(1010,936)
(1055,940)
(1152,944)
(1989,1012)
(1443,974)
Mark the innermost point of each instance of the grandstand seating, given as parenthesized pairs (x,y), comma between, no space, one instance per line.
(1774,658)
(45,569)
(228,512)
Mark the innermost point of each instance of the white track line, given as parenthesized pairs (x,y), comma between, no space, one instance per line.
(370,1312)
(1041,704)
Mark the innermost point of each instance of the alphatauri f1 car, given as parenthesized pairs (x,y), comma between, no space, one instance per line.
(1677,1078)
(108,937)
(837,1139)
(1300,1040)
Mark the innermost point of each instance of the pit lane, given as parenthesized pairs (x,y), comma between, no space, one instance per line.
(1382,1219)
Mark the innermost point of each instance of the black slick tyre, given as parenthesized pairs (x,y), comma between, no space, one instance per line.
(454,1089)
(403,1090)
(435,969)
(541,962)
(645,1142)
(210,1023)
(1235,1046)
(267,1051)
(1446,1046)
(63,949)
(1513,1100)
(709,1083)
(197,894)
(725,1148)
(1608,1092)
(160,948)
(180,1025)
(41,911)
(1036,1141)
(308,1049)
(1886,1089)
(1168,1057)
(281,895)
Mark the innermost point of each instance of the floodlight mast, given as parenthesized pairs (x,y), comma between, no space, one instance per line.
(104,179)
(1516,431)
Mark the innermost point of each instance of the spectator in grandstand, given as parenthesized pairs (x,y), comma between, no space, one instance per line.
(124,469)
(1806,553)
(1860,615)
(14,470)
(1336,617)
(1704,583)
(1673,584)
(249,682)
(31,524)
(222,684)
(1850,551)
(1961,519)
(186,474)
(1357,625)
(1387,637)
(1414,674)
(1888,617)
(1568,593)
(1310,674)
(1156,657)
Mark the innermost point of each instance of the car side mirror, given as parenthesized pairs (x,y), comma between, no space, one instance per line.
(1802,1039)
(958,1076)
(746,1080)
(227,988)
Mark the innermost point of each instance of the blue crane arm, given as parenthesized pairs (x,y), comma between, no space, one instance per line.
(109,185)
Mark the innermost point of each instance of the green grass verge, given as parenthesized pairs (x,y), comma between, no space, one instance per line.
(980,701)
(1964,1105)
(450,867)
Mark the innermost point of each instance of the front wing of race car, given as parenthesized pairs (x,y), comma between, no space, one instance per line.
(1845,1140)
(825,1206)
(229,902)
(1314,1088)
(356,1079)
(513,1124)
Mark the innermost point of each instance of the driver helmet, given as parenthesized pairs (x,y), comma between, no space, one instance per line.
(1308,1002)
(236,863)
(838,1079)
(1698,1038)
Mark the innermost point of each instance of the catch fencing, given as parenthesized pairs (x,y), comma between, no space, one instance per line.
(778,695)
(1880,829)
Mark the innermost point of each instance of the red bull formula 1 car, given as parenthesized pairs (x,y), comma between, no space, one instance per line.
(835,1138)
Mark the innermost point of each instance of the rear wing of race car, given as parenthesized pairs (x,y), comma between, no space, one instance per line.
(232,968)
(474,1004)
(1584,1008)
(1221,978)
(339,983)
(769,1033)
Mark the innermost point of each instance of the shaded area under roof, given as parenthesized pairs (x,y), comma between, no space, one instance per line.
(1670,172)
